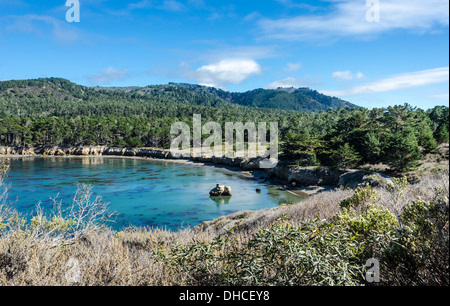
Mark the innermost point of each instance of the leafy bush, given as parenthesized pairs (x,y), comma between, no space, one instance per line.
(373,218)
(313,253)
(362,195)
(370,223)
(419,255)
(55,224)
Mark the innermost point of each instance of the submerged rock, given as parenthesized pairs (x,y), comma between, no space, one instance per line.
(221,191)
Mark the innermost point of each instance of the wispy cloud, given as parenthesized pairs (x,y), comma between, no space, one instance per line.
(226,71)
(172,6)
(286,83)
(293,67)
(347,18)
(243,51)
(402,81)
(294,4)
(347,75)
(108,75)
(444,96)
(140,5)
(165,5)
(35,24)
(16,3)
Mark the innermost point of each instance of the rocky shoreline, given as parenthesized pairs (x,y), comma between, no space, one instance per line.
(308,180)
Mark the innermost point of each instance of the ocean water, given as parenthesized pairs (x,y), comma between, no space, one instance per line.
(141,192)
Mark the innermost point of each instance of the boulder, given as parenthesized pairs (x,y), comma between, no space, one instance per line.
(358,178)
(115,151)
(352,179)
(377,180)
(312,176)
(251,163)
(221,191)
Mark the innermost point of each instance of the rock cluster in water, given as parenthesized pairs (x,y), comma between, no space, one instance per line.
(221,191)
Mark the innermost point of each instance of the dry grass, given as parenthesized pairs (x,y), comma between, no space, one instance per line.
(103,257)
(323,205)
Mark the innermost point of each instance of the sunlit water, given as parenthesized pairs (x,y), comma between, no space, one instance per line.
(141,192)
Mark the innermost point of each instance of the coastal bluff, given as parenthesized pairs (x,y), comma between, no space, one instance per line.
(238,162)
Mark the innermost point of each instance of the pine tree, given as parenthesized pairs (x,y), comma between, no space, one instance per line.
(402,151)
(442,134)
(372,147)
(345,157)
(300,148)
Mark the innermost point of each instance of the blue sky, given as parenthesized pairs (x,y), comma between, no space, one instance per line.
(374,53)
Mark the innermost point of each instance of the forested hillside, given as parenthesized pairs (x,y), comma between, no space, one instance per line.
(57,112)
(301,99)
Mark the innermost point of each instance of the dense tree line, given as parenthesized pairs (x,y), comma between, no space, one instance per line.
(397,136)
(58,112)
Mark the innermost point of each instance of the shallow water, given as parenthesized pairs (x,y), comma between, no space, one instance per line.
(142,192)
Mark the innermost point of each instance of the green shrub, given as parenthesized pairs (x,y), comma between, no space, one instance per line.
(419,255)
(362,195)
(370,223)
(56,224)
(313,253)
(373,218)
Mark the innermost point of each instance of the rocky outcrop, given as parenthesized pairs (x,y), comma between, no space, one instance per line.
(298,177)
(85,151)
(309,176)
(221,191)
(16,151)
(358,178)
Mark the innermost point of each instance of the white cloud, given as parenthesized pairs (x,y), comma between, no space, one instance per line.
(61,31)
(140,5)
(441,96)
(108,75)
(293,67)
(402,81)
(239,52)
(165,5)
(252,16)
(347,75)
(172,6)
(227,71)
(293,4)
(286,83)
(347,18)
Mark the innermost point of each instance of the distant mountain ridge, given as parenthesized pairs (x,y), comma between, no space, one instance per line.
(290,99)
(297,99)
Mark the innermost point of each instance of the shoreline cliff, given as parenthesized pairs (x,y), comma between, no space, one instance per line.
(307,180)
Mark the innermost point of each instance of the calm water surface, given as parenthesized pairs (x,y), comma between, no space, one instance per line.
(142,192)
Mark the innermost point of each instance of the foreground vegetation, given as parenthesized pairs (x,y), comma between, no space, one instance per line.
(326,240)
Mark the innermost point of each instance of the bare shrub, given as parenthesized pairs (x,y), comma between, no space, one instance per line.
(6,208)
(73,246)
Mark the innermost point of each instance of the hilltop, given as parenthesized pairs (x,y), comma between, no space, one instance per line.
(301,99)
(295,99)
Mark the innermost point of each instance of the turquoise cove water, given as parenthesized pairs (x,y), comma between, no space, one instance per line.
(142,192)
